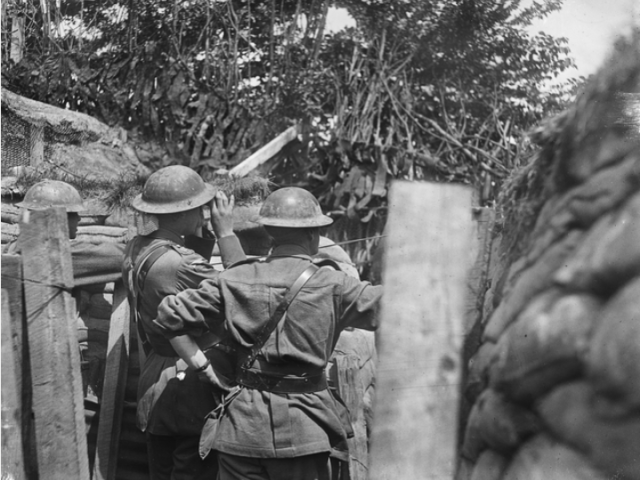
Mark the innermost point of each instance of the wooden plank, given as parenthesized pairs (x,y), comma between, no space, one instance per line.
(351,389)
(477,278)
(12,289)
(17,37)
(12,283)
(115,379)
(36,143)
(265,153)
(58,406)
(12,456)
(420,338)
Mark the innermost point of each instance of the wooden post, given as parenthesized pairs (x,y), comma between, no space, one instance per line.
(36,144)
(17,37)
(352,393)
(12,285)
(12,456)
(53,346)
(420,338)
(12,289)
(265,153)
(115,380)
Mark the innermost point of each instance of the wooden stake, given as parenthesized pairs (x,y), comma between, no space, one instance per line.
(352,392)
(12,457)
(12,286)
(420,338)
(265,153)
(53,346)
(115,380)
(36,144)
(12,290)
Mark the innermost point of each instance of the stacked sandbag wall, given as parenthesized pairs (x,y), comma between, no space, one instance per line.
(554,376)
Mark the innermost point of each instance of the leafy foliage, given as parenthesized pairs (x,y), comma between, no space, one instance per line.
(437,90)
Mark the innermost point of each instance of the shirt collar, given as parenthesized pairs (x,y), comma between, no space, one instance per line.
(290,251)
(167,235)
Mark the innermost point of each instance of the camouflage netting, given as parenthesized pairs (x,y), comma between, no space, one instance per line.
(35,133)
(554,383)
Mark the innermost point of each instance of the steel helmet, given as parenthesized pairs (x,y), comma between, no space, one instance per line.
(52,193)
(173,189)
(292,207)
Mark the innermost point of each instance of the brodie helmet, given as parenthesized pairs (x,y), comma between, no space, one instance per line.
(173,189)
(292,207)
(52,193)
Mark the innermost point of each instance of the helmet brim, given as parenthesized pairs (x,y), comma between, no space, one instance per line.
(317,221)
(157,208)
(76,208)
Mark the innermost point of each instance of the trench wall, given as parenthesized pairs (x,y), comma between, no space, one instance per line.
(553,381)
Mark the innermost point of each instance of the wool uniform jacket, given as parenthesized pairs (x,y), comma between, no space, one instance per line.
(166,404)
(260,423)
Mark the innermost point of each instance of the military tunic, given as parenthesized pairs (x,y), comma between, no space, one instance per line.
(264,424)
(166,405)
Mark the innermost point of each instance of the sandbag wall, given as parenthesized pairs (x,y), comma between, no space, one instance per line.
(554,380)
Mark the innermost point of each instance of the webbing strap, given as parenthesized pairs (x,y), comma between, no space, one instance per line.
(137,277)
(279,314)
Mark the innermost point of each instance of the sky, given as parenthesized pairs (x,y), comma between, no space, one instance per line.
(590,26)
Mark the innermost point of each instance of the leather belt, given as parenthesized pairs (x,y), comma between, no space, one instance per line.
(281,384)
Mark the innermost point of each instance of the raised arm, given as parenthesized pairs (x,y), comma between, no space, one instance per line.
(359,304)
(222,222)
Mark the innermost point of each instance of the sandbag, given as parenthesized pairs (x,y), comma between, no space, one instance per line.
(10,213)
(100,239)
(464,469)
(613,362)
(605,190)
(478,370)
(497,423)
(528,280)
(119,217)
(10,232)
(545,346)
(574,414)
(610,254)
(542,458)
(490,466)
(102,230)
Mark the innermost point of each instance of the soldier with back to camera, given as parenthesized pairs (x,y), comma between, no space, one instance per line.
(284,314)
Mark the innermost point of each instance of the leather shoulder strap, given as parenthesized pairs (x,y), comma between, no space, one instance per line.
(279,314)
(137,275)
(145,261)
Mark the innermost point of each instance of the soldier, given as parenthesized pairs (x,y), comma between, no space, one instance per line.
(85,257)
(88,260)
(284,314)
(54,193)
(172,400)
